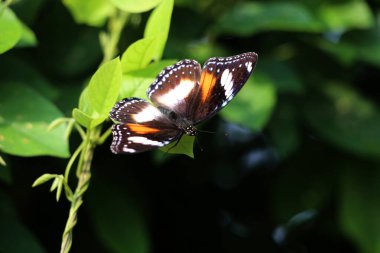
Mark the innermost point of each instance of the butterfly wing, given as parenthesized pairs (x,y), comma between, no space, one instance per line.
(140,127)
(220,81)
(175,86)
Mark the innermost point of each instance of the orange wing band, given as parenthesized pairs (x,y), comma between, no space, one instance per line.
(207,83)
(141,129)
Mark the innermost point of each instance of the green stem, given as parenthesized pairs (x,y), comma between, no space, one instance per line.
(91,138)
(83,183)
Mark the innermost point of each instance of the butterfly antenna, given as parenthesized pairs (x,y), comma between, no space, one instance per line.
(205,131)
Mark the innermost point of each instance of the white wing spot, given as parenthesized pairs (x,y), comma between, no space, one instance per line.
(180,92)
(248,65)
(145,141)
(128,150)
(227,83)
(149,113)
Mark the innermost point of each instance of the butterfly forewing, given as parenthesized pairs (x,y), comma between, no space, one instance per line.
(175,86)
(141,127)
(220,81)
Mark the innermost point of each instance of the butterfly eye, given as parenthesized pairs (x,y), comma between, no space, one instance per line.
(173,116)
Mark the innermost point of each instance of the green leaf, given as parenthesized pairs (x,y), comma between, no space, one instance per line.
(15,237)
(354,46)
(134,6)
(85,120)
(11,67)
(352,14)
(184,146)
(139,54)
(149,49)
(25,117)
(104,88)
(43,179)
(98,98)
(254,104)
(93,13)
(121,229)
(28,39)
(136,83)
(360,207)
(158,26)
(247,18)
(10,29)
(346,119)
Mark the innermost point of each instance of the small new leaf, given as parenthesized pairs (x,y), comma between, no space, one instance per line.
(2,162)
(43,179)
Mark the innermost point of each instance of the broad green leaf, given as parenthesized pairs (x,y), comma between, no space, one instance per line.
(86,120)
(254,104)
(24,118)
(247,18)
(10,29)
(28,39)
(150,48)
(346,119)
(140,54)
(159,21)
(360,206)
(11,68)
(118,218)
(136,83)
(354,46)
(352,14)
(94,12)
(15,237)
(134,6)
(102,91)
(104,87)
(158,26)
(183,146)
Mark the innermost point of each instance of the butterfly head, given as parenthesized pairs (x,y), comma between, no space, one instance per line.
(190,130)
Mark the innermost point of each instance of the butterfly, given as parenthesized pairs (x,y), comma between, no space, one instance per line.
(182,95)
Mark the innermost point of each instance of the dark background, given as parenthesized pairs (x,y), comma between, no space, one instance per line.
(306,181)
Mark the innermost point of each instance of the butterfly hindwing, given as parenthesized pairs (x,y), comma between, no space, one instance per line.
(220,81)
(174,87)
(140,127)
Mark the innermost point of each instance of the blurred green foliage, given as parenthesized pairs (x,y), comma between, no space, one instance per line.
(292,165)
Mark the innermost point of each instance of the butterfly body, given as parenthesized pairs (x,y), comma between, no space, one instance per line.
(183,95)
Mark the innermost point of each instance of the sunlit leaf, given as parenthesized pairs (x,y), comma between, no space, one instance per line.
(94,12)
(134,6)
(103,89)
(136,83)
(139,54)
(25,117)
(27,39)
(10,29)
(183,146)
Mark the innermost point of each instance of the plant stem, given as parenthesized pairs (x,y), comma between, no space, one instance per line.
(83,183)
(116,24)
